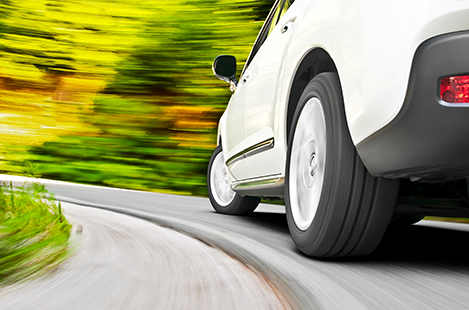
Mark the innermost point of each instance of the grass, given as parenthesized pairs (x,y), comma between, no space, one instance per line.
(447,219)
(33,233)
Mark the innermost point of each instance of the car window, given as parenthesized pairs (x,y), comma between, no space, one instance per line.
(281,9)
(286,6)
(274,20)
(278,10)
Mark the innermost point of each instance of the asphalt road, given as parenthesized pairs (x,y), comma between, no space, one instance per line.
(423,266)
(122,262)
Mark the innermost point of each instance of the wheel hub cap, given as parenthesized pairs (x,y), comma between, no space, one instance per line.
(307,164)
(220,183)
(312,164)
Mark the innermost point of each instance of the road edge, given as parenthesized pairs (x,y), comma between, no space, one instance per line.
(297,295)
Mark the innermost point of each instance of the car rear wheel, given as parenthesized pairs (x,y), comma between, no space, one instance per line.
(222,197)
(334,206)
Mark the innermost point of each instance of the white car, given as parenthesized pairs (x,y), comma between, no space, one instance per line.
(339,101)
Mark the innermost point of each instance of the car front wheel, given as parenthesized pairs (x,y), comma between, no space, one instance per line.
(222,197)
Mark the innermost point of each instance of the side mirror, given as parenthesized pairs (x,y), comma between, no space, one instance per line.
(224,68)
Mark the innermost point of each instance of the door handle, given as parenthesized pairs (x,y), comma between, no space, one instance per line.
(246,76)
(288,25)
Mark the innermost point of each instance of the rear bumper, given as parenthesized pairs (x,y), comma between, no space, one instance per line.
(427,140)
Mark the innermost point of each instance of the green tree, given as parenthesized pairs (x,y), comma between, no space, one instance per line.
(153,125)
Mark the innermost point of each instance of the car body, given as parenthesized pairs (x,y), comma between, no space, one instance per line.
(389,58)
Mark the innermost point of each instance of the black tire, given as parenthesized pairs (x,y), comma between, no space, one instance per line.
(353,208)
(224,200)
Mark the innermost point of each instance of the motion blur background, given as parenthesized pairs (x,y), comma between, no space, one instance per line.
(118,92)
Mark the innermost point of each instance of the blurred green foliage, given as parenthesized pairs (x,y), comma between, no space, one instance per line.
(118,92)
(33,233)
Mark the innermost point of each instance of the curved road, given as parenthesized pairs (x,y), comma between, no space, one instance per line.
(122,262)
(424,266)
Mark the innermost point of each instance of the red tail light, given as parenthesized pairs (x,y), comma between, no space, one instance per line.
(455,89)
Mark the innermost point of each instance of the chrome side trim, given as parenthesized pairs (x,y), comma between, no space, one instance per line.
(258,183)
(250,151)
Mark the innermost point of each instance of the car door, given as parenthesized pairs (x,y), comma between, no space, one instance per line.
(254,154)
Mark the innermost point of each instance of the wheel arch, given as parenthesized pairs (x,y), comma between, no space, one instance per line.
(316,61)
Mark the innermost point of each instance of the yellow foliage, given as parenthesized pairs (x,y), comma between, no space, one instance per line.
(25,72)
